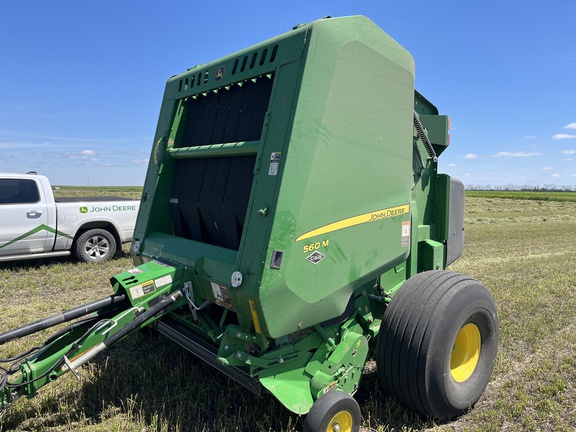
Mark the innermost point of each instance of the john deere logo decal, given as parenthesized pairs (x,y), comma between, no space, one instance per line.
(83,209)
(219,73)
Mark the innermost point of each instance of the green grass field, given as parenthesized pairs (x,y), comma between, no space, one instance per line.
(83,191)
(525,195)
(522,250)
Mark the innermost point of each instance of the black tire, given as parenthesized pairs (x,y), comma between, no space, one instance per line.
(95,245)
(334,407)
(420,361)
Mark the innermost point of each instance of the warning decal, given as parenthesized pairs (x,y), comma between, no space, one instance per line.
(273,169)
(143,289)
(405,234)
(221,295)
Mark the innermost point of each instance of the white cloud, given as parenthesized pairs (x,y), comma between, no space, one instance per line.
(570,126)
(88,152)
(546,168)
(563,136)
(530,137)
(555,175)
(568,152)
(452,165)
(67,155)
(516,154)
(139,161)
(470,156)
(23,145)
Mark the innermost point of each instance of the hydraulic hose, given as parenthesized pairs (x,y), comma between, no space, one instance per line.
(124,331)
(62,317)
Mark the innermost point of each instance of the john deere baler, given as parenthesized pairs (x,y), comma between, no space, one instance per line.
(293,224)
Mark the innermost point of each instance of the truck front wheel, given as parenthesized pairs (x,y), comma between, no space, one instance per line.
(95,245)
(437,345)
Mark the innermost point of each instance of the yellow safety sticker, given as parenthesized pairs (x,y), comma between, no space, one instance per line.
(254,316)
(143,289)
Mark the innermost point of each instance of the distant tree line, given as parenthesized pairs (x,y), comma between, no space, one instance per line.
(525,188)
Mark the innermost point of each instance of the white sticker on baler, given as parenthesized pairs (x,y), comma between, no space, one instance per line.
(143,289)
(216,290)
(136,291)
(221,295)
(273,169)
(165,280)
(405,234)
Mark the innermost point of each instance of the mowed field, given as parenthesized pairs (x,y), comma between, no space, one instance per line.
(523,250)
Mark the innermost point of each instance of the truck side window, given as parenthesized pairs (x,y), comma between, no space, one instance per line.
(18,191)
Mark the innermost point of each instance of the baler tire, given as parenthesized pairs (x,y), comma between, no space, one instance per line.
(95,246)
(334,407)
(437,345)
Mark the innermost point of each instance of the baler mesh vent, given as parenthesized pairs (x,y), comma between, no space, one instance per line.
(232,113)
(254,60)
(210,198)
(194,80)
(240,65)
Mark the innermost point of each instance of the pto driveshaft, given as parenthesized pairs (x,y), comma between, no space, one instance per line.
(69,315)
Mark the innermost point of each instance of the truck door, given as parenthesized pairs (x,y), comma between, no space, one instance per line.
(23,217)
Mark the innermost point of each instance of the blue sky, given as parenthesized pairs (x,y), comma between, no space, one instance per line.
(81,82)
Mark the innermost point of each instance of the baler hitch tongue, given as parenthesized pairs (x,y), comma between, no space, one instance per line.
(74,345)
(135,324)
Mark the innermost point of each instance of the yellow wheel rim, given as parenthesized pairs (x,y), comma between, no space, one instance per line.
(341,422)
(465,352)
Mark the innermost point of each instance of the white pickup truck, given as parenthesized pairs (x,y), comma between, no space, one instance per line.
(33,224)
